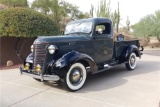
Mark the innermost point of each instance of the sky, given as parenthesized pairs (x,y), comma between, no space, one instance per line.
(134,9)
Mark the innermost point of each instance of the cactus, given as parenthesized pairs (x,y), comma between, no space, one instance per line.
(128,24)
(104,9)
(118,18)
(92,10)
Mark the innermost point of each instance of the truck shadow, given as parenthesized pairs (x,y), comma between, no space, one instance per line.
(114,77)
(117,76)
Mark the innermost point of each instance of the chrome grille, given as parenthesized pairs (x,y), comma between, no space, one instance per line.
(39,54)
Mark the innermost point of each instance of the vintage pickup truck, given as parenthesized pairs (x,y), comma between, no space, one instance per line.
(87,46)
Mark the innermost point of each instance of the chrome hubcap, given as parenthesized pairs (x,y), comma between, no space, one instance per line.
(132,60)
(76,76)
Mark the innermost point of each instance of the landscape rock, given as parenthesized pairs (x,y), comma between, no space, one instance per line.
(9,63)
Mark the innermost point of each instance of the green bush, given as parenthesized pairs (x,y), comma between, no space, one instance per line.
(24,22)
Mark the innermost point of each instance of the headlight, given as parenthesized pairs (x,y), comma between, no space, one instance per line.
(32,48)
(26,66)
(38,68)
(52,49)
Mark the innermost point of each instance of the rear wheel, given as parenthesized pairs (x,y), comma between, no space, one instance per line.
(131,64)
(75,77)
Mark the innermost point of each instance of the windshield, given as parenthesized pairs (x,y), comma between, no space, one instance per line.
(82,27)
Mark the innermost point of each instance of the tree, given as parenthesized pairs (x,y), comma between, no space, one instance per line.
(82,15)
(59,11)
(56,10)
(53,8)
(41,5)
(15,3)
(157,24)
(74,12)
(148,26)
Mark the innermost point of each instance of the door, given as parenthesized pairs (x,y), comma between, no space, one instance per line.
(103,42)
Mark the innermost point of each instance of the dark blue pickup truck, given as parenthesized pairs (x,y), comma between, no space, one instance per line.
(87,46)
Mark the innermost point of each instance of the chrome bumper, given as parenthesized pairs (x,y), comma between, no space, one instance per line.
(41,77)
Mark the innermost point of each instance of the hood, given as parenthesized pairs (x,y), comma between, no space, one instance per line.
(61,38)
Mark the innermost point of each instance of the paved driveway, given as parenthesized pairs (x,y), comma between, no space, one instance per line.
(114,88)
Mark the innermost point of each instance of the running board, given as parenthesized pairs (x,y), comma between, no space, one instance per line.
(107,67)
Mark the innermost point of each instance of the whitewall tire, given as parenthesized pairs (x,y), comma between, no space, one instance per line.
(132,62)
(75,77)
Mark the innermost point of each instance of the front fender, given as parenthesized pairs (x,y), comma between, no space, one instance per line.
(62,65)
(29,58)
(130,49)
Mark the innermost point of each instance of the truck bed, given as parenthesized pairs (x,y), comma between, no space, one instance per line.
(120,47)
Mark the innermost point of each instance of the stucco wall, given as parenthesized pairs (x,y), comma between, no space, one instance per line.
(8,49)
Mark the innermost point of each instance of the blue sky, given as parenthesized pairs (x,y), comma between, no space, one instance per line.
(134,9)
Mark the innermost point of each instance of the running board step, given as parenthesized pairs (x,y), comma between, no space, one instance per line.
(107,67)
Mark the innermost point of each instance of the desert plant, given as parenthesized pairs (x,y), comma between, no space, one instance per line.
(128,23)
(15,3)
(92,10)
(24,22)
(148,26)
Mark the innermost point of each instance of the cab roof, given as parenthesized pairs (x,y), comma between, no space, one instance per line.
(95,20)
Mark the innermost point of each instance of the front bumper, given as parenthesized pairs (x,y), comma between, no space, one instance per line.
(41,77)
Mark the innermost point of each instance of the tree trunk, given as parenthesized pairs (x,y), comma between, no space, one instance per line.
(158,38)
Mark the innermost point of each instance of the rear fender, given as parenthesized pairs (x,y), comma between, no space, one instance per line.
(130,49)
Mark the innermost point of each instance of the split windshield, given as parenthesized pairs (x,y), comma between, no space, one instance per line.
(77,28)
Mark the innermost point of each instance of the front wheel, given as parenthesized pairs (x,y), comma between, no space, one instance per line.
(131,64)
(75,77)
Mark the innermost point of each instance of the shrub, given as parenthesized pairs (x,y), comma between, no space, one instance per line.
(24,22)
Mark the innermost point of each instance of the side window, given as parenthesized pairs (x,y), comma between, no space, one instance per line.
(103,29)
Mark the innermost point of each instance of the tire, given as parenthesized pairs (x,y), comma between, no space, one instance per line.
(75,77)
(131,64)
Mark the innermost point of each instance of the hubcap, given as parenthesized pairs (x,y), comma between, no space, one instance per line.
(132,60)
(76,76)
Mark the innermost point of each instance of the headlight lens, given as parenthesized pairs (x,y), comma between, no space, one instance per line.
(32,48)
(26,66)
(38,68)
(52,49)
